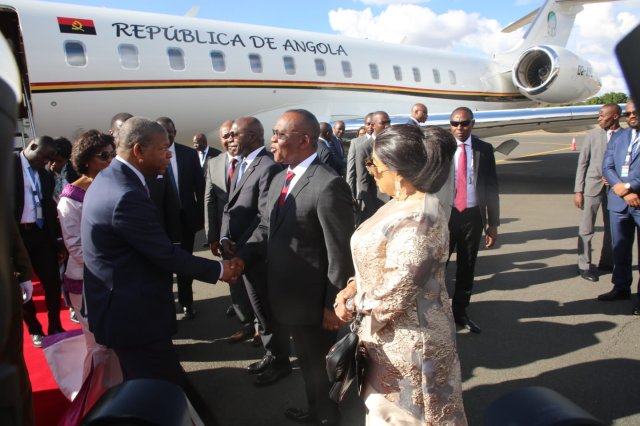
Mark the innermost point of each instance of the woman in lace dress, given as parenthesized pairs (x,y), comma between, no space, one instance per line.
(413,371)
(92,152)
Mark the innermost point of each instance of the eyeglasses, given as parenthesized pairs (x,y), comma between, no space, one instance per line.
(464,123)
(372,168)
(630,113)
(282,136)
(229,135)
(106,155)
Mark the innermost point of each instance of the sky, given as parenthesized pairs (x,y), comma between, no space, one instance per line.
(468,26)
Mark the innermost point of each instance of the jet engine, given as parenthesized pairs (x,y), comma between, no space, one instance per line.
(553,74)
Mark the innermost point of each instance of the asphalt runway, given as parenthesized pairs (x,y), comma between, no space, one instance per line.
(542,324)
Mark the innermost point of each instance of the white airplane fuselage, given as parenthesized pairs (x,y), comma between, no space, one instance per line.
(78,80)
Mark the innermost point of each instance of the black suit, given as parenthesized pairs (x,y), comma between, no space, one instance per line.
(306,246)
(466,227)
(42,247)
(248,197)
(327,155)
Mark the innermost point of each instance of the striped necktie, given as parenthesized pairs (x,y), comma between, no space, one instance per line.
(285,188)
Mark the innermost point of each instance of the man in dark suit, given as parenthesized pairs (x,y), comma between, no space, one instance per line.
(352,180)
(205,152)
(247,198)
(621,169)
(476,208)
(35,213)
(369,199)
(129,260)
(591,192)
(419,114)
(336,160)
(186,178)
(304,237)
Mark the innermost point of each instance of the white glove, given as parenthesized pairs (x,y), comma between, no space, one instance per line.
(27,290)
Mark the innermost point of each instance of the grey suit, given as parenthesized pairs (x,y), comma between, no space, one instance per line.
(589,182)
(351,164)
(215,195)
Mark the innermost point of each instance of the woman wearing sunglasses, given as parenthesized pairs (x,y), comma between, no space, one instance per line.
(412,375)
(92,152)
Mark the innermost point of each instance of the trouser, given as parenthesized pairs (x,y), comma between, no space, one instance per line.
(586,231)
(623,231)
(465,232)
(44,259)
(185,290)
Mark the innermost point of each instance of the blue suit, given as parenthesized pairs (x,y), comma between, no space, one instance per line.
(129,261)
(623,219)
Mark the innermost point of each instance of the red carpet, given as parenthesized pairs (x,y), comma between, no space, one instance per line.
(48,402)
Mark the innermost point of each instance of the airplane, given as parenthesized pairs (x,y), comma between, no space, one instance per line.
(81,65)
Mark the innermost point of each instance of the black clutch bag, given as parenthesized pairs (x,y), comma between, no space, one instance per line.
(346,362)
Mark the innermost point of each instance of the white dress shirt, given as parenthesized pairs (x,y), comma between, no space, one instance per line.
(29,210)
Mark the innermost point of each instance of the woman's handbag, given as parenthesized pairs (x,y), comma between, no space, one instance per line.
(346,362)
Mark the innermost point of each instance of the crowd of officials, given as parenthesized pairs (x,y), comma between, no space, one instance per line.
(304,229)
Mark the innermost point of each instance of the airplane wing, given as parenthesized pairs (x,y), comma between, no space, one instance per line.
(563,119)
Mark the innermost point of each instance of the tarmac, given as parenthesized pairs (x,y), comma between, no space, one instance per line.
(541,322)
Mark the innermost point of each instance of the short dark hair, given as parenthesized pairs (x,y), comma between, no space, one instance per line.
(465,109)
(421,155)
(121,116)
(615,106)
(63,147)
(138,130)
(310,123)
(89,143)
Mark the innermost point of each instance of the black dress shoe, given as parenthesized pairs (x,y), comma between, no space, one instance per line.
(189,312)
(299,416)
(614,295)
(464,322)
(259,366)
(272,374)
(230,313)
(605,268)
(588,275)
(636,309)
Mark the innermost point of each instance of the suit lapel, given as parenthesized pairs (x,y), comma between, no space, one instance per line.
(290,201)
(476,161)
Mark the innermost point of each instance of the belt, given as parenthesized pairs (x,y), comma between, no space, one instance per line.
(28,226)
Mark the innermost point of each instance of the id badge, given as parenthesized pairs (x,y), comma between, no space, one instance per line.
(625,171)
(39,212)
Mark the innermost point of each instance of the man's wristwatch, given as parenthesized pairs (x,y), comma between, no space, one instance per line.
(627,186)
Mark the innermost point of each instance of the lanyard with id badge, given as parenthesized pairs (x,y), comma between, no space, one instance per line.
(624,172)
(35,192)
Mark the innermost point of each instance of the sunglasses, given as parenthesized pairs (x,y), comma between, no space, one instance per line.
(372,168)
(464,123)
(630,113)
(106,155)
(229,135)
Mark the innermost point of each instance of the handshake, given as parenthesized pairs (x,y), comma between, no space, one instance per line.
(232,270)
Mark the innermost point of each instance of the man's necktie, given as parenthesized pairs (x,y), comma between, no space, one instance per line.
(285,188)
(232,171)
(37,196)
(172,181)
(461,180)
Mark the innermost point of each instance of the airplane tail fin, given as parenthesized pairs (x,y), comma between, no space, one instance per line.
(551,23)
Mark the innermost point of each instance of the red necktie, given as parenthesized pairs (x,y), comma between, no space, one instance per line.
(232,171)
(461,180)
(285,188)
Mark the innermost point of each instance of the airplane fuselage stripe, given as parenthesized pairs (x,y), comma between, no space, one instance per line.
(83,86)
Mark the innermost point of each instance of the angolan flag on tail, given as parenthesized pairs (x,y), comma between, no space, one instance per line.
(76,26)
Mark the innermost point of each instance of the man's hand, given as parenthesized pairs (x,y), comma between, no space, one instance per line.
(619,189)
(632,199)
(605,181)
(27,290)
(578,200)
(232,270)
(228,248)
(330,320)
(215,248)
(491,236)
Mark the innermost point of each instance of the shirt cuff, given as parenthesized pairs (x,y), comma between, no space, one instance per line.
(221,270)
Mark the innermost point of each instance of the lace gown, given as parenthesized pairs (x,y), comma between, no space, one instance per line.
(413,371)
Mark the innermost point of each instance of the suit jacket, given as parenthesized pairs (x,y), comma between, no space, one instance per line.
(589,171)
(211,153)
(129,261)
(248,197)
(612,168)
(306,245)
(486,182)
(165,198)
(351,164)
(191,188)
(216,195)
(328,157)
(47,185)
(368,196)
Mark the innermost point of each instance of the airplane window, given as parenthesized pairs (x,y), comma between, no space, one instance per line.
(256,62)
(374,71)
(289,65)
(217,61)
(397,72)
(416,75)
(436,76)
(75,54)
(128,56)
(321,70)
(176,58)
(452,77)
(346,69)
